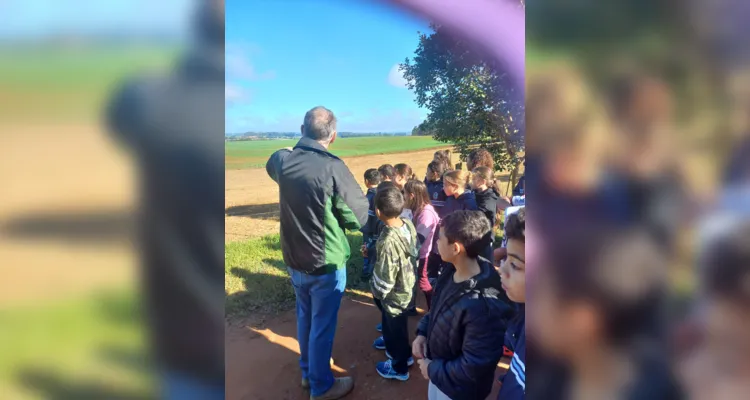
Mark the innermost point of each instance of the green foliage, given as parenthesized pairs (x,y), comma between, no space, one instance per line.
(471,101)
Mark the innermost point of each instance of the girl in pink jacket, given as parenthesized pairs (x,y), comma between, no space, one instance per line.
(426,221)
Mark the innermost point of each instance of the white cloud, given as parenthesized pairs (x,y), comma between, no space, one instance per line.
(234,94)
(239,65)
(396,77)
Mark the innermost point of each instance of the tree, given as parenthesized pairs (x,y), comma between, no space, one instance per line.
(470,101)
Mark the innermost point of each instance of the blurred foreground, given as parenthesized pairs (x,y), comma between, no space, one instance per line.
(638,281)
(73,304)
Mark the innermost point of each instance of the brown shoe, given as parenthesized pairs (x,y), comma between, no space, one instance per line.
(341,387)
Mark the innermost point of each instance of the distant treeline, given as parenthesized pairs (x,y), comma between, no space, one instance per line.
(296,135)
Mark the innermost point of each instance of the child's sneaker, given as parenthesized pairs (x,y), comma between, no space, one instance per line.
(379,328)
(409,362)
(379,343)
(385,369)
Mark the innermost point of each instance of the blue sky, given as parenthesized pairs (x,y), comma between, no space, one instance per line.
(35,18)
(284,57)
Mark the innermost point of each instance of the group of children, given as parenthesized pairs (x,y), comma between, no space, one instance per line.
(437,235)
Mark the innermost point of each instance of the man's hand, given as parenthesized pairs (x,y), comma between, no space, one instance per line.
(418,347)
(363,250)
(423,365)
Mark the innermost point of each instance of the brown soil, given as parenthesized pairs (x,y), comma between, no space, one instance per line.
(65,212)
(262,361)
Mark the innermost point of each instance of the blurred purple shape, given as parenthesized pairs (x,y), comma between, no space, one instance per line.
(498,26)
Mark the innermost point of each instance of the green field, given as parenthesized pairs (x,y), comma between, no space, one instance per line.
(74,83)
(92,347)
(255,153)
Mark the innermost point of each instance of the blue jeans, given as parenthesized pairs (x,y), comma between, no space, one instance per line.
(177,386)
(318,302)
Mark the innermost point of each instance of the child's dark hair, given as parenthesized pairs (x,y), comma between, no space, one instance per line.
(405,171)
(389,200)
(372,176)
(726,265)
(436,167)
(387,171)
(470,228)
(421,197)
(480,157)
(620,273)
(515,228)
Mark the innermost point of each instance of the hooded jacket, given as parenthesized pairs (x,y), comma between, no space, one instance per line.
(393,276)
(370,229)
(427,224)
(514,381)
(437,195)
(466,201)
(487,203)
(319,198)
(465,331)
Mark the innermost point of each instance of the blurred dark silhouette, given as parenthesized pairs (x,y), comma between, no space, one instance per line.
(174,127)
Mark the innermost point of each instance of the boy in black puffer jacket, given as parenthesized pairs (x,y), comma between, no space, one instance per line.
(460,341)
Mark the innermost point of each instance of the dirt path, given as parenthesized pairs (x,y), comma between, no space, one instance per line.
(262,362)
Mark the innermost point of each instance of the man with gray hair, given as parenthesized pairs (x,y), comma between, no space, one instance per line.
(319,199)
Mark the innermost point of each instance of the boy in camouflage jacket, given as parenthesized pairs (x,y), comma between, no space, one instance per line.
(392,281)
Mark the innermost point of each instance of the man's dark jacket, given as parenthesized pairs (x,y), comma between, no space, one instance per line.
(465,331)
(169,124)
(319,198)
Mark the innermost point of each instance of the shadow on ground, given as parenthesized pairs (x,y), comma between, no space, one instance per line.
(94,227)
(257,211)
(269,293)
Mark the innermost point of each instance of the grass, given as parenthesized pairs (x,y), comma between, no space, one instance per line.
(255,153)
(86,348)
(257,282)
(54,82)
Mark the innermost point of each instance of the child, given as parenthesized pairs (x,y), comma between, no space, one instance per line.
(718,366)
(513,275)
(392,282)
(387,172)
(479,157)
(486,193)
(444,158)
(370,229)
(402,174)
(427,221)
(434,181)
(597,294)
(458,198)
(459,342)
(500,252)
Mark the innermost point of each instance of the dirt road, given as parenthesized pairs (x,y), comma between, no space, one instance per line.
(262,362)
